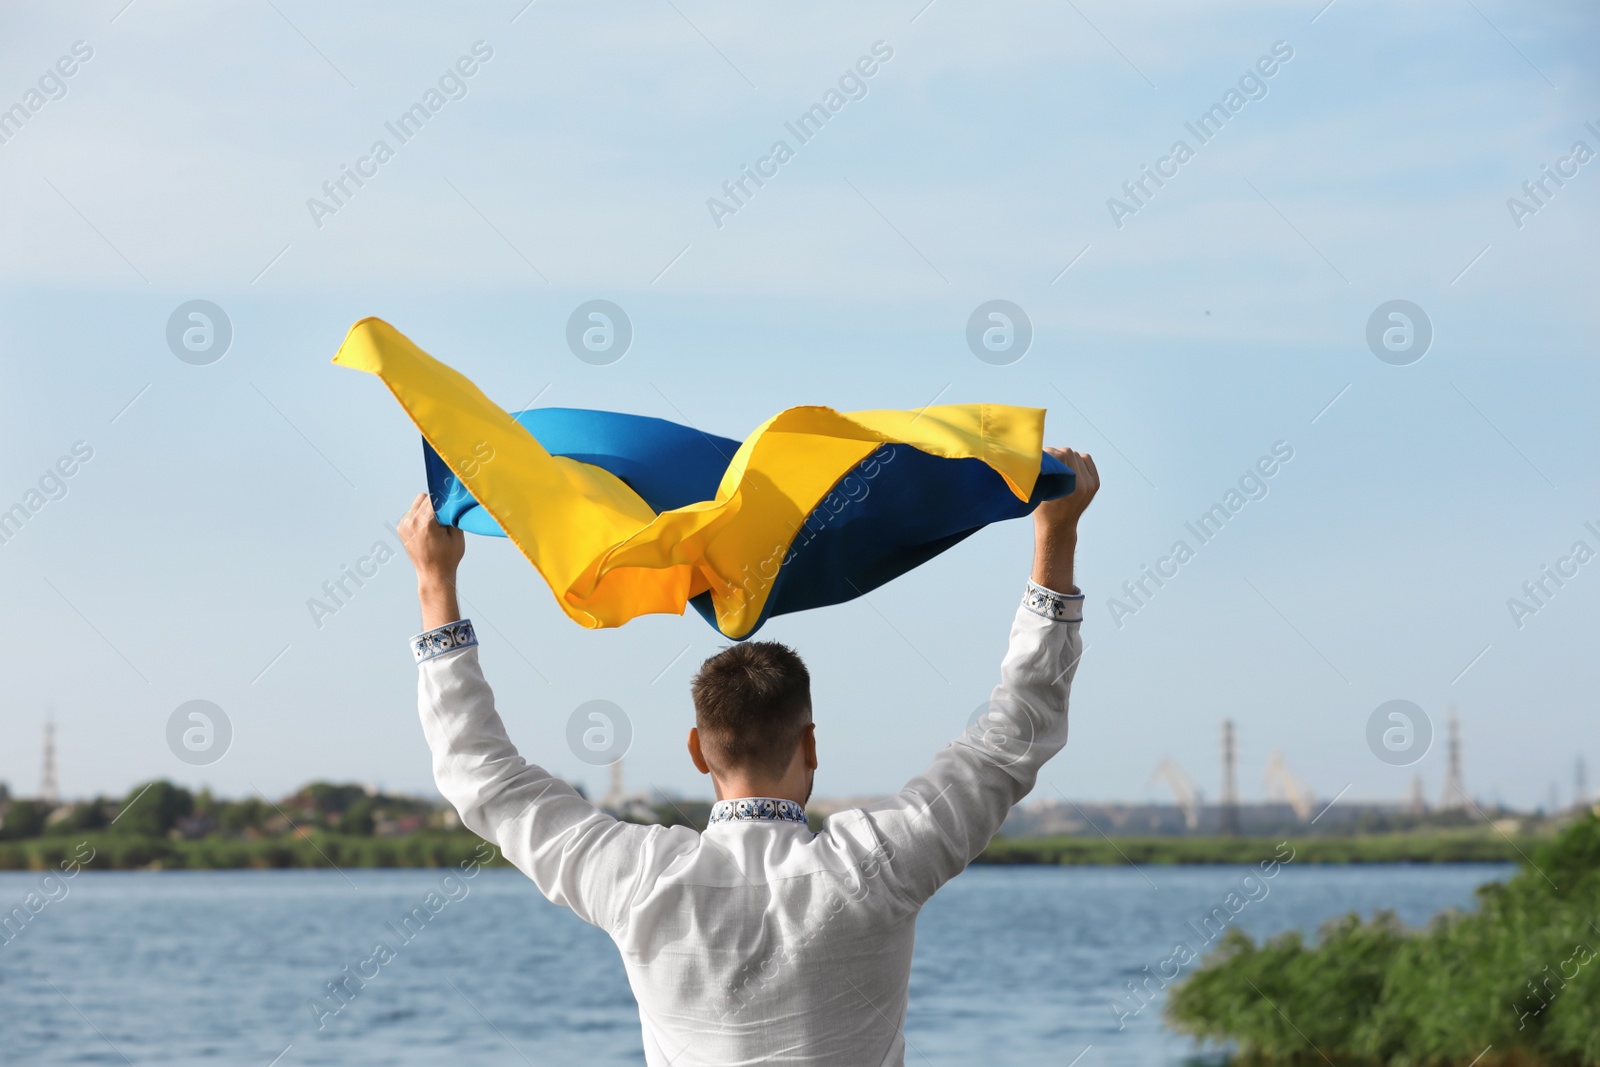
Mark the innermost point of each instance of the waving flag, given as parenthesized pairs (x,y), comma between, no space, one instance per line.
(626,515)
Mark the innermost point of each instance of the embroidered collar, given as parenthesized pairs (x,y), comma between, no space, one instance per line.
(757,808)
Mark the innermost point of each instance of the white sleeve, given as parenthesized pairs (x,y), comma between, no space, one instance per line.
(947,815)
(575,853)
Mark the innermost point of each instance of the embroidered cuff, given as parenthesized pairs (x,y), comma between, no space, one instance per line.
(1062,607)
(446,638)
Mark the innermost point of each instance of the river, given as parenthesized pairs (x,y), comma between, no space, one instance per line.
(1014,965)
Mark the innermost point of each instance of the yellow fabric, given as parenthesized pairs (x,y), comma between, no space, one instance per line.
(605,554)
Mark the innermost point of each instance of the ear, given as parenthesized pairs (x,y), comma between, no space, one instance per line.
(694,751)
(808,742)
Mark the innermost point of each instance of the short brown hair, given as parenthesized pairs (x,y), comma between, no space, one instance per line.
(752,701)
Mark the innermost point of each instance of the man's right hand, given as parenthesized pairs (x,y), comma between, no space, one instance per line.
(1055,523)
(435,552)
(1065,511)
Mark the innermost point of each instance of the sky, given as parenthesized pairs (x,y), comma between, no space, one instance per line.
(1181,332)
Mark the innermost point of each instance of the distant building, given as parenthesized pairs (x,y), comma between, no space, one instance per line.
(630,807)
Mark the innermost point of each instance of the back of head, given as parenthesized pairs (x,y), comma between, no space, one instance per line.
(752,703)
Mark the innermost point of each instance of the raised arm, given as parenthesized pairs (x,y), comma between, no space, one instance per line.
(947,815)
(1055,524)
(575,853)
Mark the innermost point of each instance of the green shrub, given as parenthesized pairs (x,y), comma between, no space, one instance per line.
(1519,977)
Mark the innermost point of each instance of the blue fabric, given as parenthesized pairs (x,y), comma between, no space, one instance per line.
(896,510)
(668,465)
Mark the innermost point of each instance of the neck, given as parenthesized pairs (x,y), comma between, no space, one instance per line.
(737,787)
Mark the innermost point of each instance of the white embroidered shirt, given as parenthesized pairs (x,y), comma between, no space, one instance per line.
(759,941)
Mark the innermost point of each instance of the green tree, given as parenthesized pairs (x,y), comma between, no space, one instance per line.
(84,817)
(24,818)
(153,809)
(358,818)
(237,816)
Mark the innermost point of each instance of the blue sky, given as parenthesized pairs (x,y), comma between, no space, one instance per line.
(1222,317)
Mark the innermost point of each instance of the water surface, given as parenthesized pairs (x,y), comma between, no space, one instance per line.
(1014,965)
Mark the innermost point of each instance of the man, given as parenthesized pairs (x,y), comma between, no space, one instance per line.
(758,941)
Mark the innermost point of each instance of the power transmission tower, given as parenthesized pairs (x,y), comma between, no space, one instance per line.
(49,785)
(1580,784)
(1455,793)
(1229,814)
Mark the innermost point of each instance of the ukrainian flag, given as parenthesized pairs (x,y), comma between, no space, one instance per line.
(625,515)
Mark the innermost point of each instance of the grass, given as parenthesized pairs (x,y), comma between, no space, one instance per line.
(115,851)
(324,849)
(1441,847)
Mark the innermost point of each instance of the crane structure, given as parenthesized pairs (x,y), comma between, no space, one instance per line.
(1282,785)
(1183,790)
